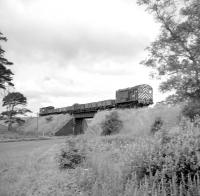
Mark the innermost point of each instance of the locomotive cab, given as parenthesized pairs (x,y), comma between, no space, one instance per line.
(141,95)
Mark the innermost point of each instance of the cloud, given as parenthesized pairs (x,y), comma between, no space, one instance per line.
(67,30)
(68,51)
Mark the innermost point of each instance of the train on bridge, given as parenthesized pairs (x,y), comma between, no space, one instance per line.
(137,96)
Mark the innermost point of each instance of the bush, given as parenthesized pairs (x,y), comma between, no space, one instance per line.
(157,125)
(161,164)
(112,124)
(177,160)
(70,157)
(49,118)
(191,110)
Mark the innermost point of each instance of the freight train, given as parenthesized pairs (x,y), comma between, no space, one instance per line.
(137,96)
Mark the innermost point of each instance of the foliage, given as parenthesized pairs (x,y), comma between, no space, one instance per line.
(5,73)
(175,53)
(70,157)
(112,124)
(49,118)
(114,165)
(157,125)
(12,101)
(173,160)
(191,110)
(164,163)
(139,121)
(28,168)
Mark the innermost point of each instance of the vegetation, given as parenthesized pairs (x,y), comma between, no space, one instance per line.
(165,163)
(112,124)
(49,118)
(157,125)
(42,126)
(70,157)
(147,151)
(129,162)
(5,72)
(175,53)
(192,110)
(29,168)
(14,103)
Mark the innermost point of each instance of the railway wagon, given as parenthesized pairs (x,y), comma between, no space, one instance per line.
(106,104)
(78,107)
(68,109)
(137,96)
(46,110)
(93,106)
(140,95)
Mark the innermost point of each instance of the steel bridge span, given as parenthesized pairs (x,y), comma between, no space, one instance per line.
(76,125)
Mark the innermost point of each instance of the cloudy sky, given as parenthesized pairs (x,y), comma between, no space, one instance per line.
(76,51)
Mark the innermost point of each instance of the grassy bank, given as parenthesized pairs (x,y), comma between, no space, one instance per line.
(34,128)
(134,161)
(44,125)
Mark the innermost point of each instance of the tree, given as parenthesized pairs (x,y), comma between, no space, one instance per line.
(175,54)
(15,103)
(5,73)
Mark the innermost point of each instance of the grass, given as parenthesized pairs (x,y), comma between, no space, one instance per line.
(133,162)
(136,161)
(45,124)
(31,129)
(30,169)
(139,121)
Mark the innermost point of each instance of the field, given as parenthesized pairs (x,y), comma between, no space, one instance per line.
(34,128)
(29,168)
(139,159)
(45,125)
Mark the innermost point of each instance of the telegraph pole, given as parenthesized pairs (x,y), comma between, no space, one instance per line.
(38,123)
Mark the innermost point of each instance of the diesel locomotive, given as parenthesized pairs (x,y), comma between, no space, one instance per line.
(137,96)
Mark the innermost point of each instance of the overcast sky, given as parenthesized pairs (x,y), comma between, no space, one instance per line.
(76,51)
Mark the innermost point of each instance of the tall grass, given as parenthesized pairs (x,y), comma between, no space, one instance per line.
(139,121)
(136,162)
(133,162)
(34,172)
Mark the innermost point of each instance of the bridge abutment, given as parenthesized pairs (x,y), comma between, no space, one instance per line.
(78,126)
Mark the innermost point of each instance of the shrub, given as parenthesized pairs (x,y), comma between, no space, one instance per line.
(70,156)
(112,124)
(191,110)
(157,125)
(176,160)
(49,118)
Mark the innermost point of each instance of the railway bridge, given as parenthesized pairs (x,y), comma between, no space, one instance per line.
(137,96)
(77,124)
(79,120)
